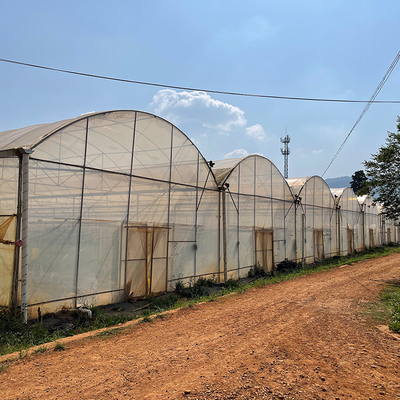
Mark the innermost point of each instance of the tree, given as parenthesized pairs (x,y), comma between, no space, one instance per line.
(359,183)
(383,173)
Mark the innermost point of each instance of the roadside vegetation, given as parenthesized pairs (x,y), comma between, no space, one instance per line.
(391,299)
(16,336)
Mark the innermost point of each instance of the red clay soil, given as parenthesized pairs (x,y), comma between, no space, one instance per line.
(303,339)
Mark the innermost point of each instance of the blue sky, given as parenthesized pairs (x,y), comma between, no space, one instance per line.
(327,49)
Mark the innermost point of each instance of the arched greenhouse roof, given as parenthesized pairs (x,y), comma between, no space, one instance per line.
(104,140)
(369,205)
(337,192)
(346,199)
(253,175)
(313,191)
(296,184)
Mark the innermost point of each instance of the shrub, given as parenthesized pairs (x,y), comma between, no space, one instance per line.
(193,290)
(231,284)
(288,266)
(257,271)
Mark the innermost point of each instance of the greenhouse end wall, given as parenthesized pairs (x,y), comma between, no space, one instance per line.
(121,204)
(9,182)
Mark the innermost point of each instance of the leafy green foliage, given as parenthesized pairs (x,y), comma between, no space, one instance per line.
(359,183)
(288,266)
(193,290)
(41,349)
(16,336)
(256,271)
(231,284)
(162,303)
(383,173)
(391,296)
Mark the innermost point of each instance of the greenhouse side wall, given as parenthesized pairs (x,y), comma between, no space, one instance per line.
(260,217)
(351,219)
(318,237)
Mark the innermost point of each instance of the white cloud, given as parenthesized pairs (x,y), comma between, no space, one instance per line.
(317,151)
(237,153)
(183,107)
(256,132)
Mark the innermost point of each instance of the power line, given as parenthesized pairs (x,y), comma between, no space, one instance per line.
(193,89)
(364,111)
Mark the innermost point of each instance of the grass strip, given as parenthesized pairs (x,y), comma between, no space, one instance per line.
(16,336)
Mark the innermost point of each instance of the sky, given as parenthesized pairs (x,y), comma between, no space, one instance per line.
(320,49)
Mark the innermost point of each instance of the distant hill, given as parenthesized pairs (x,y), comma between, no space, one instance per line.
(341,182)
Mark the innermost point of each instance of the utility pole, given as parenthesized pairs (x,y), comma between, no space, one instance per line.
(285,152)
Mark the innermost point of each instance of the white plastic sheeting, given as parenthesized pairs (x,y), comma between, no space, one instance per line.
(9,172)
(317,234)
(372,235)
(350,221)
(260,214)
(121,204)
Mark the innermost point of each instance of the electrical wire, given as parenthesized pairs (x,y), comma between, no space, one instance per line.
(366,108)
(193,89)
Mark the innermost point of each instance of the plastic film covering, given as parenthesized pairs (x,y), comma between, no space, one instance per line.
(372,234)
(121,204)
(105,207)
(152,147)
(260,214)
(28,136)
(66,146)
(54,211)
(9,172)
(351,225)
(110,140)
(317,209)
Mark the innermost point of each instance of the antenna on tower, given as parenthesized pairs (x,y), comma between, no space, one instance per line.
(285,152)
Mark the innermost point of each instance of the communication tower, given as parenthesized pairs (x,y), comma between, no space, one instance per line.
(285,152)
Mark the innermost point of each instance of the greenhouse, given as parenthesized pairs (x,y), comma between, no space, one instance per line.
(316,218)
(350,221)
(258,224)
(116,205)
(372,234)
(120,204)
(389,231)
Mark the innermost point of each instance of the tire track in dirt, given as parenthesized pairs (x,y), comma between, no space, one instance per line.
(299,339)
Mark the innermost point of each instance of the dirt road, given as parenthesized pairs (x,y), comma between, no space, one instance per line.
(301,339)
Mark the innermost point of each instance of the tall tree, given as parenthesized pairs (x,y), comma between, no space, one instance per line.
(383,173)
(359,183)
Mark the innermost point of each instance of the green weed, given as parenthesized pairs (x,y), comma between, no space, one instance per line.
(41,350)
(59,346)
(3,367)
(391,297)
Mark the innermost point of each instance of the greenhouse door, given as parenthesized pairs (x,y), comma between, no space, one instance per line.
(265,249)
(147,260)
(389,235)
(371,238)
(318,244)
(350,239)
